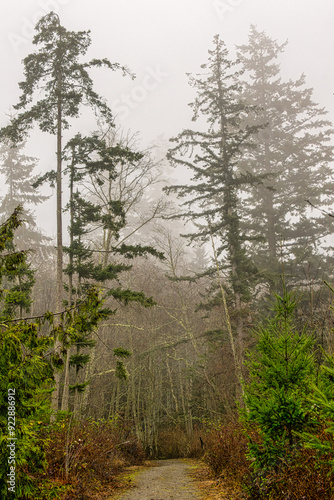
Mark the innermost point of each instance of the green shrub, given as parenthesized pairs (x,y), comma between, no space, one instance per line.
(281,374)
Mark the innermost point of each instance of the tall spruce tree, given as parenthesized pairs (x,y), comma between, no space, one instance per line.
(90,156)
(24,371)
(27,368)
(55,88)
(212,156)
(90,159)
(294,148)
(17,276)
(17,170)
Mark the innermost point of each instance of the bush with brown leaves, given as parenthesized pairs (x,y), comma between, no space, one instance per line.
(89,454)
(225,454)
(304,475)
(175,442)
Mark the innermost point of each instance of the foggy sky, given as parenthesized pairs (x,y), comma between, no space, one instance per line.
(161,41)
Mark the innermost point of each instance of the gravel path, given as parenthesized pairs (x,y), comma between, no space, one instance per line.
(167,480)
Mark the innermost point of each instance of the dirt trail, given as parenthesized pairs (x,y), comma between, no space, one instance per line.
(166,480)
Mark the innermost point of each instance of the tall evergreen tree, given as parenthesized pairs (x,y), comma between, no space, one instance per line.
(89,158)
(55,88)
(17,277)
(17,170)
(27,368)
(294,149)
(212,156)
(24,371)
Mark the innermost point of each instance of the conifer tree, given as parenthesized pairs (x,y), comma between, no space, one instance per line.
(17,169)
(90,158)
(24,371)
(27,369)
(294,150)
(277,396)
(55,88)
(212,155)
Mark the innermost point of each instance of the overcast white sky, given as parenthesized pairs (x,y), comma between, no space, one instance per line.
(162,40)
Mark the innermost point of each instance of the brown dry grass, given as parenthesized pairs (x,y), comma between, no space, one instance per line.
(97,453)
(213,488)
(305,474)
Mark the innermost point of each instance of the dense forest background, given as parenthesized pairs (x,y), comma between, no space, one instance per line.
(192,290)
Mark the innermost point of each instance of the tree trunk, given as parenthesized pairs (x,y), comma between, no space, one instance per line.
(272,246)
(59,291)
(65,398)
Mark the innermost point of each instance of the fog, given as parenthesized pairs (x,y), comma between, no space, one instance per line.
(176,300)
(161,41)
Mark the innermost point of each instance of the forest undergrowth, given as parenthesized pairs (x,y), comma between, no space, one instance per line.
(87,459)
(302,475)
(282,445)
(84,459)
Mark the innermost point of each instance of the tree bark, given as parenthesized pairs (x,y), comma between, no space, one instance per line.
(59,291)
